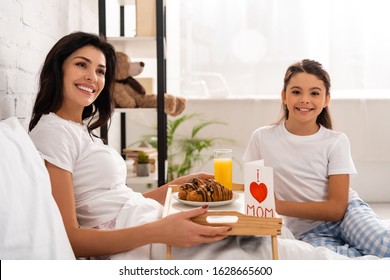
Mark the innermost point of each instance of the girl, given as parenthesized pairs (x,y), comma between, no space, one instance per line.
(312,167)
(88,177)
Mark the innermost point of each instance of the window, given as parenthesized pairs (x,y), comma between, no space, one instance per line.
(241,48)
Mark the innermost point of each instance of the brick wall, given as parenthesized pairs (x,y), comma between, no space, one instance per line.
(28,29)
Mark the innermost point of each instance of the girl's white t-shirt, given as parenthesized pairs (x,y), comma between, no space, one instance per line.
(98,171)
(301,165)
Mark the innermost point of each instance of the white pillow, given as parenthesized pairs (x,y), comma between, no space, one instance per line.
(31,226)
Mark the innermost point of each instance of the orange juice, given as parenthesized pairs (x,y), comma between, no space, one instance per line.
(223,171)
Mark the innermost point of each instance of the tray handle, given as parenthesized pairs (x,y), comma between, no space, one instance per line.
(244,224)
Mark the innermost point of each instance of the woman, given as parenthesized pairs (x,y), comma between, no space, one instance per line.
(88,177)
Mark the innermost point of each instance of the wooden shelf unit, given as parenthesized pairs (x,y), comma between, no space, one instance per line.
(157,43)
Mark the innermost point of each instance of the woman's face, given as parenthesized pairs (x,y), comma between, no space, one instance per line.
(305,97)
(83,77)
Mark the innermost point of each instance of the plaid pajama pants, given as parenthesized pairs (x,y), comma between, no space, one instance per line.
(360,233)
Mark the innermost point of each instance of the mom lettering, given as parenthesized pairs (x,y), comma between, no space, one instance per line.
(258,211)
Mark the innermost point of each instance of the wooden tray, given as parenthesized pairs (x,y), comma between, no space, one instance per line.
(241,224)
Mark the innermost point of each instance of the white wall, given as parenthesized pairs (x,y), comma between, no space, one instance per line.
(28,29)
(364,122)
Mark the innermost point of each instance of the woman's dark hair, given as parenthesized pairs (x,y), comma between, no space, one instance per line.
(50,94)
(314,68)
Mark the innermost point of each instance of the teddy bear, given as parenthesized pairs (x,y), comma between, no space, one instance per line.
(129,93)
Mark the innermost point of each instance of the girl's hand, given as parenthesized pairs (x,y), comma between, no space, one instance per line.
(178,230)
(277,202)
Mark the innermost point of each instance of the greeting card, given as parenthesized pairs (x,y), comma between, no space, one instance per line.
(259,190)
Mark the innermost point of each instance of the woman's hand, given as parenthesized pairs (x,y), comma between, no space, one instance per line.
(159,194)
(186,178)
(178,229)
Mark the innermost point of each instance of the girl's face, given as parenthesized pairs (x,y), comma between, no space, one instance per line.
(84,78)
(305,97)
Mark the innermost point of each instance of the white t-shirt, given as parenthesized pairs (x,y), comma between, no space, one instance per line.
(98,171)
(301,165)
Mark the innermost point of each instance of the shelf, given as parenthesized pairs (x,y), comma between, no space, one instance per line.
(143,47)
(136,47)
(126,2)
(140,40)
(140,184)
(129,110)
(133,179)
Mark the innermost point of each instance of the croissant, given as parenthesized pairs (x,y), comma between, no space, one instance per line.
(204,190)
(185,189)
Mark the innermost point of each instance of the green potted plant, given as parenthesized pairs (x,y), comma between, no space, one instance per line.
(187,150)
(142,164)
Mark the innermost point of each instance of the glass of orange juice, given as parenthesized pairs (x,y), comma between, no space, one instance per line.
(223,166)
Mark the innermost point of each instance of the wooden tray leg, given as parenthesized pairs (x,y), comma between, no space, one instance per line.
(165,213)
(275,253)
(169,252)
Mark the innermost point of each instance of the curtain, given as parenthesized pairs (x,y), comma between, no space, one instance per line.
(241,48)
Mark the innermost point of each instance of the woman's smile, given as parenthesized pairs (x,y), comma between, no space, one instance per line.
(87,89)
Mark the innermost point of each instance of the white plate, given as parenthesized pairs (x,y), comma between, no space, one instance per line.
(210,204)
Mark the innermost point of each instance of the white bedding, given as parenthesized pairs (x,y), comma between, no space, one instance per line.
(240,248)
(31,226)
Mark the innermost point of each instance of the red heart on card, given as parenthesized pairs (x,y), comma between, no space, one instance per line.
(258,191)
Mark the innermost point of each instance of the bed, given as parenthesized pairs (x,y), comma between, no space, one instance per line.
(32,228)
(31,224)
